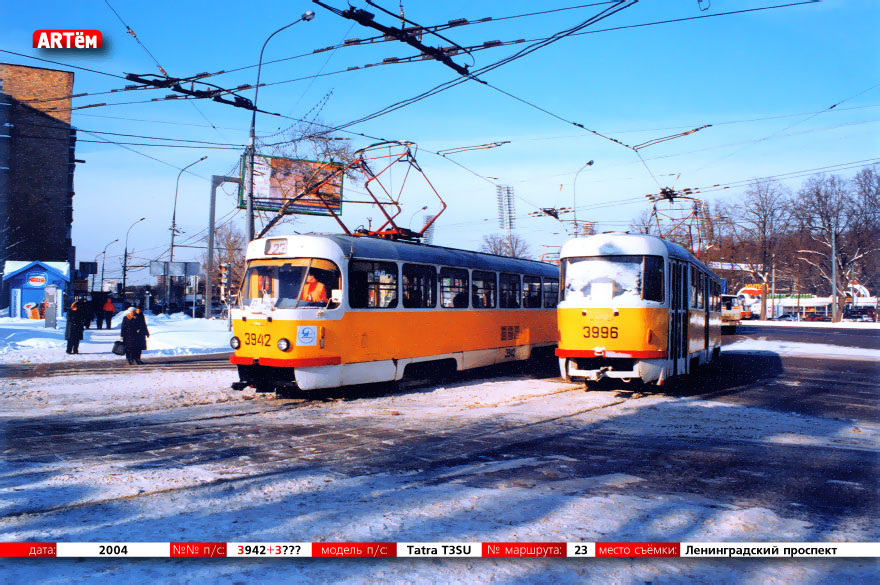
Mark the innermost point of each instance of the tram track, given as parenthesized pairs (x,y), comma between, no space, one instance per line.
(115,366)
(238,428)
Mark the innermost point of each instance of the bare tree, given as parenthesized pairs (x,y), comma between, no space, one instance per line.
(230,244)
(826,209)
(502,245)
(642,224)
(758,224)
(865,233)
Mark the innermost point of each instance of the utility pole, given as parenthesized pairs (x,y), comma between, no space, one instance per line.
(104,261)
(174,232)
(834,316)
(125,256)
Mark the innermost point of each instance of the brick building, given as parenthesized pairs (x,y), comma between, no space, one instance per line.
(37,146)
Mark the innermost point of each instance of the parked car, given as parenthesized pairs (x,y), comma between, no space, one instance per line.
(786,317)
(860,318)
(817,318)
(199,312)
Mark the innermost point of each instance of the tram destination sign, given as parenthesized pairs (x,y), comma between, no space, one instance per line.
(277,180)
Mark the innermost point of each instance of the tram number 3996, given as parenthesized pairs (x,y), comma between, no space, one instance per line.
(254,339)
(600,332)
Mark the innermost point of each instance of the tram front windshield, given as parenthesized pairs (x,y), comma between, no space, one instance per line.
(601,279)
(290,283)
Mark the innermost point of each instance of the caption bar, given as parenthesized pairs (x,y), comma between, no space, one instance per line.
(441,549)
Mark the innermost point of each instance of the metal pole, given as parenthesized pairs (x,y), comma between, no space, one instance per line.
(773,292)
(125,257)
(174,227)
(834,315)
(574,195)
(104,261)
(216,181)
(249,162)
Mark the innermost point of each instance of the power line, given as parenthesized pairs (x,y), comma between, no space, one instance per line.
(134,36)
(62,64)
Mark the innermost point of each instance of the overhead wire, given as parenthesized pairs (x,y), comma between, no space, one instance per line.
(135,37)
(790,126)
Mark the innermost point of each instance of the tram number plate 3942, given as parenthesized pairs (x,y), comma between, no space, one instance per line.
(257,339)
(596,332)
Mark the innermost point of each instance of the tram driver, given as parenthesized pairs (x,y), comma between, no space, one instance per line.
(314,290)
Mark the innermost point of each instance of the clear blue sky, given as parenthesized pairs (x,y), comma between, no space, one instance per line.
(759,78)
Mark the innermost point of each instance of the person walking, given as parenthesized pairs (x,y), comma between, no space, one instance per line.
(108,310)
(87,312)
(134,336)
(73,332)
(98,312)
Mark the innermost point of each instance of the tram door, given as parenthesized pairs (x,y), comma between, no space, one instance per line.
(677,313)
(708,297)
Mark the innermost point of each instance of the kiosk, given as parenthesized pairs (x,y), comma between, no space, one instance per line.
(27,282)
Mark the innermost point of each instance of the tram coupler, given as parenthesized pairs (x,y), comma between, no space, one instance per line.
(599,374)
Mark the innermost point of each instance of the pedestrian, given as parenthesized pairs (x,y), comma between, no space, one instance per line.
(134,335)
(88,312)
(98,312)
(73,332)
(108,311)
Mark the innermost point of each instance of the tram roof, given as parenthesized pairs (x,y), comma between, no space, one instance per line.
(617,243)
(370,248)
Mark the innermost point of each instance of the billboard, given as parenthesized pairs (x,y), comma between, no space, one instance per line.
(278,179)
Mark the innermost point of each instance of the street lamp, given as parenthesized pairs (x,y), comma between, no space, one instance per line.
(414,215)
(249,175)
(174,227)
(574,195)
(104,261)
(125,257)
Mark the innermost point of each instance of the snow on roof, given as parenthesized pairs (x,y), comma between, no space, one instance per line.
(13,266)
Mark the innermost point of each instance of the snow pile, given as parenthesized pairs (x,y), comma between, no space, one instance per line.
(797,348)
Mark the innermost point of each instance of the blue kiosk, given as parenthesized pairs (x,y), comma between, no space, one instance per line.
(27,282)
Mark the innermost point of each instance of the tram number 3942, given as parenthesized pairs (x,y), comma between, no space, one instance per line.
(600,332)
(254,339)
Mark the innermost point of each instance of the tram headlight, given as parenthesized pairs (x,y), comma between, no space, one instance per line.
(283,344)
(235,343)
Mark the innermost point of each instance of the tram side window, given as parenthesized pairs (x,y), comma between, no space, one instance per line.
(372,285)
(531,292)
(419,286)
(483,290)
(694,286)
(509,294)
(453,288)
(551,292)
(652,279)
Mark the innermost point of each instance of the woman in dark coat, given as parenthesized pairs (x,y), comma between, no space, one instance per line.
(134,336)
(73,332)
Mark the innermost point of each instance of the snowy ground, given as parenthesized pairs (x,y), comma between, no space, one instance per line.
(111,500)
(28,341)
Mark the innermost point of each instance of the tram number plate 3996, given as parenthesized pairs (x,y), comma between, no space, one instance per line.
(255,339)
(600,332)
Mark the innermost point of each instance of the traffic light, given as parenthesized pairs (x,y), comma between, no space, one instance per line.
(224,275)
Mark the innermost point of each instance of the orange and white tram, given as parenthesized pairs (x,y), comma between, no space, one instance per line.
(635,307)
(379,309)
